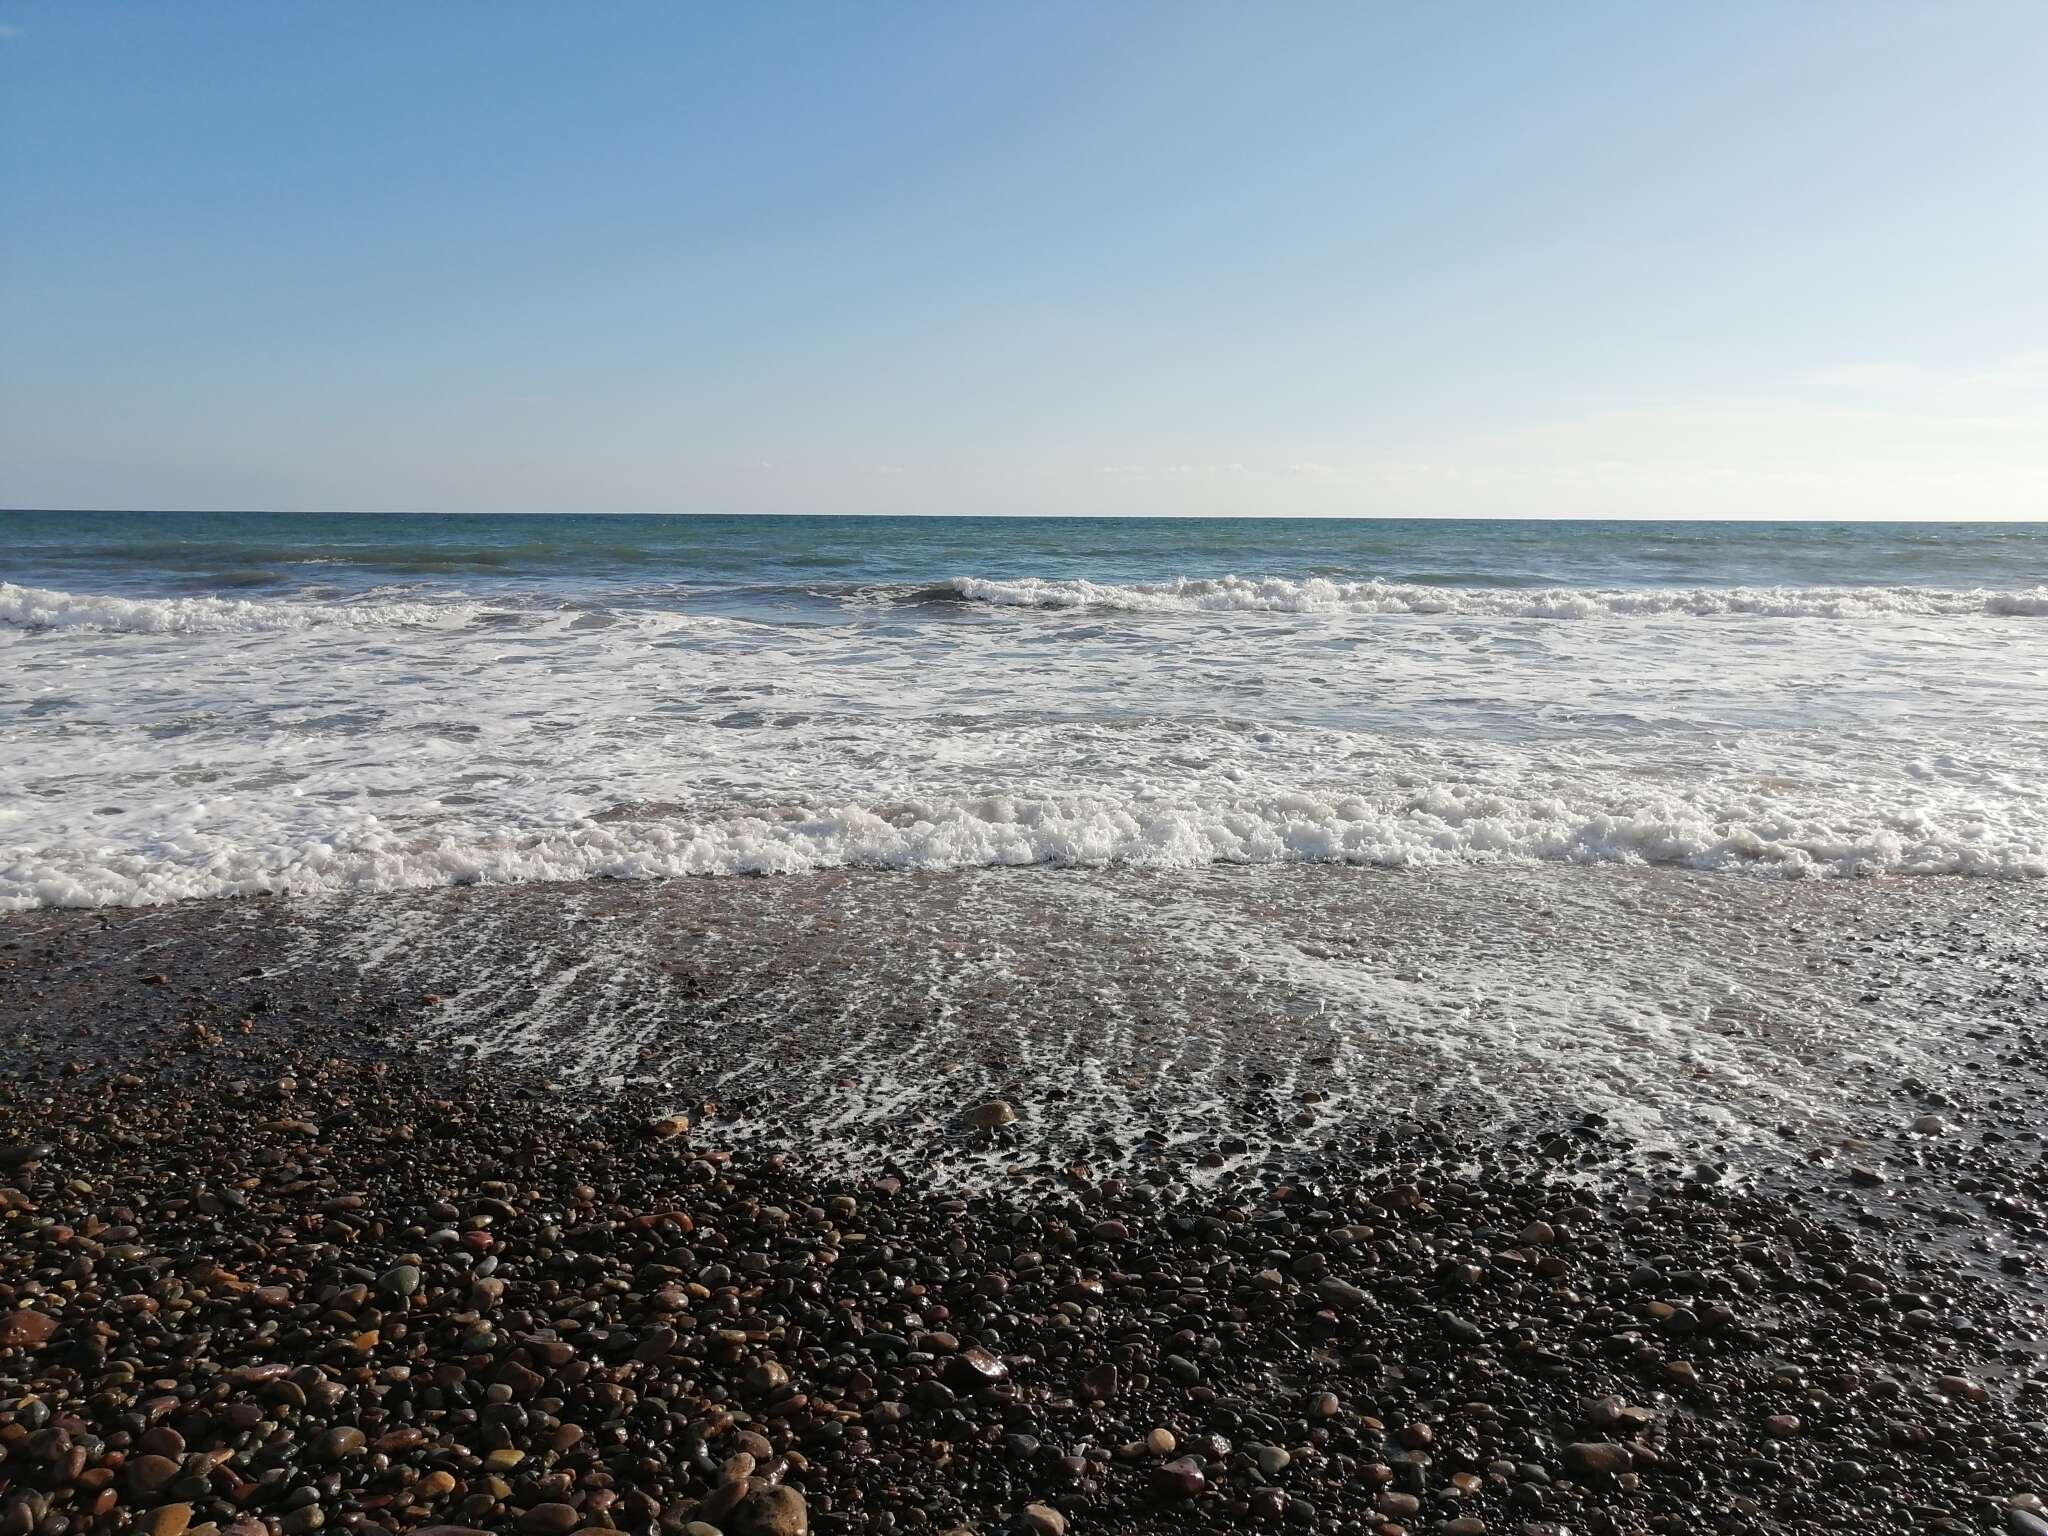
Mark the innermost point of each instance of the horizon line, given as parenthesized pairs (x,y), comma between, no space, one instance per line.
(1023,517)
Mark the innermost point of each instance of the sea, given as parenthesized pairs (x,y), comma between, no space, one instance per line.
(1726,832)
(202,705)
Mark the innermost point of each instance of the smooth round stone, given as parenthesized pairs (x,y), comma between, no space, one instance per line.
(401,1280)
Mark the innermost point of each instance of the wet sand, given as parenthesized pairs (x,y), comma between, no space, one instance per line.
(1154,1016)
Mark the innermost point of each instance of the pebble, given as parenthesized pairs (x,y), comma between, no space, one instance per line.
(25,1328)
(147,1474)
(1100,1383)
(1181,1479)
(551,1520)
(774,1511)
(339,1444)
(1598,1456)
(1341,1293)
(401,1280)
(602,1329)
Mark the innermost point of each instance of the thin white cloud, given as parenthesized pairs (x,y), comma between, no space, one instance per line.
(1237,470)
(1874,439)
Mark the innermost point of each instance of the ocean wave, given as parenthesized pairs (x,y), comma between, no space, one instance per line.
(1429,827)
(44,608)
(1321,595)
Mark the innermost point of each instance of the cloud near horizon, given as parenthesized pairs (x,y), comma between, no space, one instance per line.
(1881,440)
(1876,440)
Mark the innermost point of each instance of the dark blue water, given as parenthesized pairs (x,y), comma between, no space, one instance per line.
(794,561)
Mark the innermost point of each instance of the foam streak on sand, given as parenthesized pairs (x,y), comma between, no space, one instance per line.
(1124,1002)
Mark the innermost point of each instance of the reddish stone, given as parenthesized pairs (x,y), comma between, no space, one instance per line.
(27,1329)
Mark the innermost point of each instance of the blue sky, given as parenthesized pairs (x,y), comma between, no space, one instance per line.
(1589,259)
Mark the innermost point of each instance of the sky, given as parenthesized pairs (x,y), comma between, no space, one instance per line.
(1150,257)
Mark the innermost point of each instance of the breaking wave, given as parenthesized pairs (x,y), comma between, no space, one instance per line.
(1428,827)
(1275,594)
(44,608)
(47,609)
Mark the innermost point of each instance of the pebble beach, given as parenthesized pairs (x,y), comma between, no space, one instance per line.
(1051,770)
(277,1261)
(733,1027)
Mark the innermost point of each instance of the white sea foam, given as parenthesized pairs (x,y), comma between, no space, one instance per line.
(158,749)
(45,608)
(1273,594)
(220,853)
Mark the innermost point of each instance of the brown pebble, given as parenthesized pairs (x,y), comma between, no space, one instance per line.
(24,1328)
(340,1443)
(551,1520)
(777,1511)
(146,1474)
(1598,1456)
(1180,1479)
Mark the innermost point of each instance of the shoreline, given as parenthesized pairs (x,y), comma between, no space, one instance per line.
(1704,1017)
(1407,1326)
